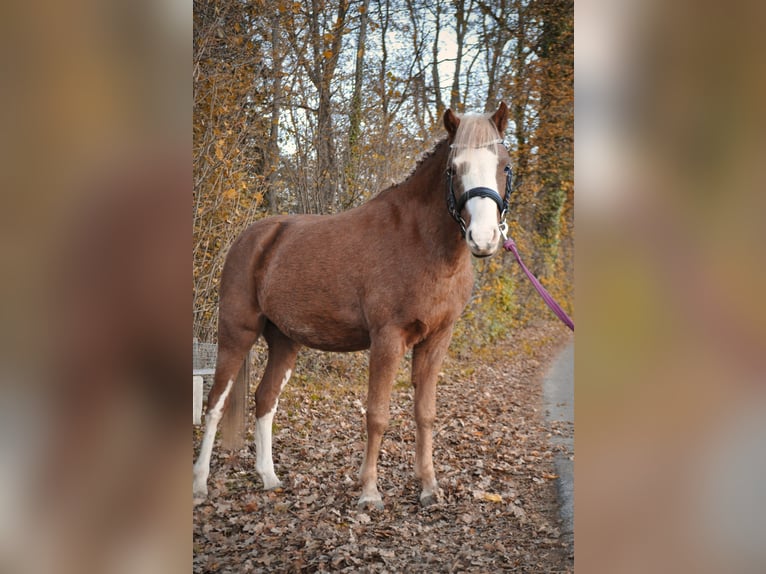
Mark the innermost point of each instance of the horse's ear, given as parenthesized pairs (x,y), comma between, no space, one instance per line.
(500,118)
(451,122)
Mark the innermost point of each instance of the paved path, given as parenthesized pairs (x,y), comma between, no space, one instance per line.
(558,396)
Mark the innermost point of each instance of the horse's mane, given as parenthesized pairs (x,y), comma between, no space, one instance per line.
(475,130)
(424,157)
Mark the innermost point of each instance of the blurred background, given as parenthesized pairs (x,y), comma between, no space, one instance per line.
(95,172)
(315,107)
(670,363)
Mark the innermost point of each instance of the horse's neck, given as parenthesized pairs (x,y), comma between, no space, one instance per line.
(424,192)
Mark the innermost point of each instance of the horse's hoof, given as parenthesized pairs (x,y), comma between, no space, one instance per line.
(199,493)
(199,496)
(370,504)
(272,485)
(430,498)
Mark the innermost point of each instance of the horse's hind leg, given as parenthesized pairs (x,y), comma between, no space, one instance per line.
(234,341)
(282,354)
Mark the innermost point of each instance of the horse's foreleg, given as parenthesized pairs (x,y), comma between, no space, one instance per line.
(282,355)
(386,352)
(427,358)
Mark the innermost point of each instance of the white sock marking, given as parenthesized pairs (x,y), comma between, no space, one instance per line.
(264,463)
(288,373)
(202,466)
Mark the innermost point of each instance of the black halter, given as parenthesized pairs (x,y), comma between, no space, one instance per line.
(455,206)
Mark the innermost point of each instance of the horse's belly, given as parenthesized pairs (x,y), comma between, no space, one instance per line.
(327,334)
(319,322)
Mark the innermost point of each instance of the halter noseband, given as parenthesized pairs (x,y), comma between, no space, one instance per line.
(455,206)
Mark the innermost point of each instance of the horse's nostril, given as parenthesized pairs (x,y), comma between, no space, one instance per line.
(470,235)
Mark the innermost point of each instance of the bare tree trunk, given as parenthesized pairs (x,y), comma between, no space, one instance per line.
(384,15)
(356,100)
(325,146)
(272,159)
(468,85)
(553,134)
(355,114)
(459,36)
(461,26)
(518,94)
(419,93)
(495,36)
(435,62)
(325,61)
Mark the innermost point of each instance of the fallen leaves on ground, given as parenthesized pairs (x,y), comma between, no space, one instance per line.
(493,457)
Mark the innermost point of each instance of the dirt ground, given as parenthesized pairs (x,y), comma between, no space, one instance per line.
(492,456)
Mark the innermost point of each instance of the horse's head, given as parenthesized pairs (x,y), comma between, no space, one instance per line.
(478,177)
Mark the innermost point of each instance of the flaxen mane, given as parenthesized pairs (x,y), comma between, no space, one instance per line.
(476,130)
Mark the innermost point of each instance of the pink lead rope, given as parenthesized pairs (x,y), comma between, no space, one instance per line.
(509,245)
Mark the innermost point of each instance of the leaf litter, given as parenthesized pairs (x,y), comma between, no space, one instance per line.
(493,457)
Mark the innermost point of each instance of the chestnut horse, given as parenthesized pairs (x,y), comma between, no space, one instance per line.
(392,274)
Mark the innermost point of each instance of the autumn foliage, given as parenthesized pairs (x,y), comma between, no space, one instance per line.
(313,107)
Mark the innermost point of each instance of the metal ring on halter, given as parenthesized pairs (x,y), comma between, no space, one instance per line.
(504,229)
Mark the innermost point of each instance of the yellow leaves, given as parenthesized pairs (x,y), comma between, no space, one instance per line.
(219,149)
(487,496)
(231,194)
(327,54)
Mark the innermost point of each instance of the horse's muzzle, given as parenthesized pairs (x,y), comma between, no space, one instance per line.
(485,247)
